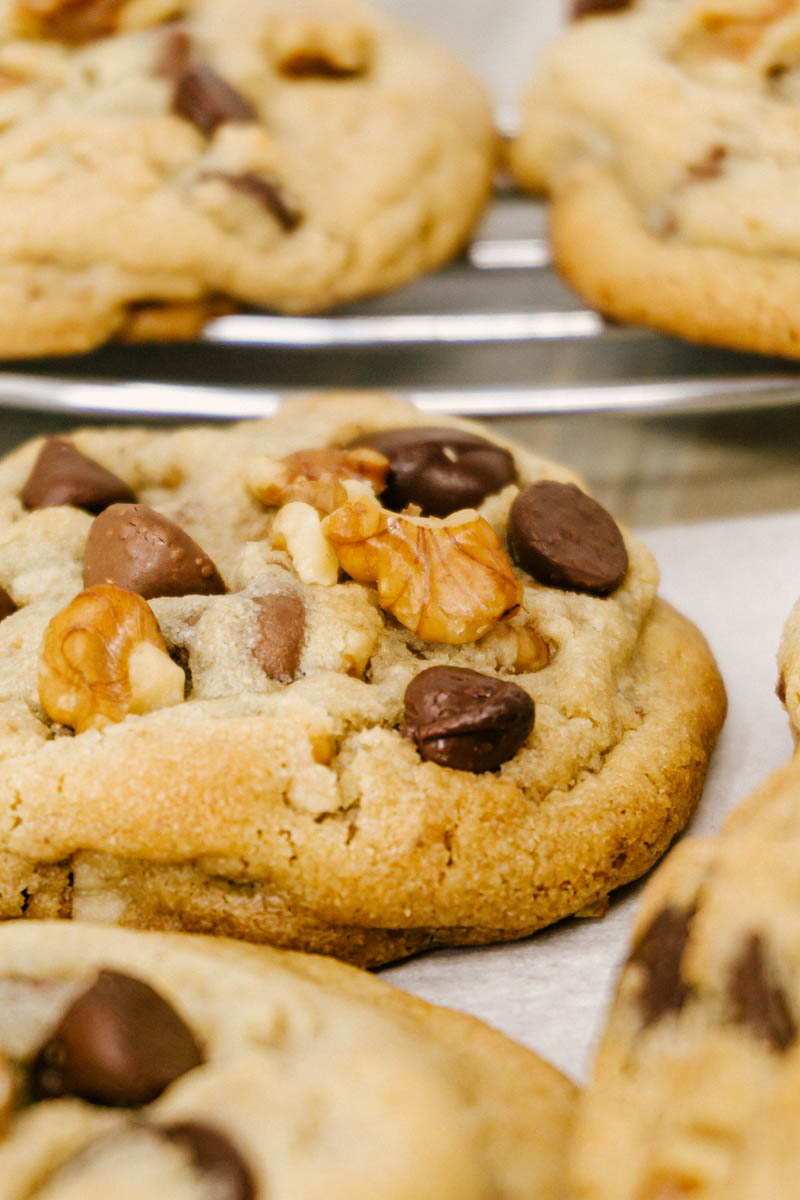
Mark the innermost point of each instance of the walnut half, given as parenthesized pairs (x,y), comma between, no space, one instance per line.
(447,580)
(104,656)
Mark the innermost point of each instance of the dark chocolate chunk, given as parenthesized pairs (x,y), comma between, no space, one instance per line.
(119,1044)
(176,54)
(462,719)
(213,1156)
(269,194)
(62,475)
(280,628)
(7,605)
(659,951)
(305,65)
(440,470)
(756,1002)
(139,549)
(564,538)
(207,100)
(584,8)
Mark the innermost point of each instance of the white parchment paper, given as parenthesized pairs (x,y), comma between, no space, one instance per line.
(738,581)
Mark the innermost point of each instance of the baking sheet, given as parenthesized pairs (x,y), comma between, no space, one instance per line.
(736,580)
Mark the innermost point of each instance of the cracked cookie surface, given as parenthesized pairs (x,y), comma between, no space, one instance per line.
(666,133)
(281,1075)
(297,788)
(162,162)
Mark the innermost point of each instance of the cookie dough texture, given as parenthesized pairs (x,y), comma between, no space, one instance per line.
(327,1082)
(353,156)
(667,134)
(298,813)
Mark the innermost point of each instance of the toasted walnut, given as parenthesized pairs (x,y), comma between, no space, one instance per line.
(302,48)
(79,21)
(448,580)
(297,529)
(519,649)
(315,477)
(731,30)
(103,657)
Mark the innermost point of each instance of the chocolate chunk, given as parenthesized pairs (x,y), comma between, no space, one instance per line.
(659,951)
(441,470)
(62,475)
(305,65)
(755,1002)
(269,194)
(281,626)
(7,605)
(462,719)
(207,100)
(176,55)
(139,549)
(564,538)
(226,1173)
(584,8)
(118,1044)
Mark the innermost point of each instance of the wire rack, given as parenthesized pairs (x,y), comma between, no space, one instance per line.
(493,334)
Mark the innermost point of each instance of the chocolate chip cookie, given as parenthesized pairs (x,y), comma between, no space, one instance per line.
(162,162)
(199,1068)
(692,1083)
(286,687)
(666,134)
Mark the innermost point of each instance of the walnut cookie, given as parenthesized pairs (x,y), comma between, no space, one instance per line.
(201,1068)
(162,161)
(290,695)
(667,134)
(695,1085)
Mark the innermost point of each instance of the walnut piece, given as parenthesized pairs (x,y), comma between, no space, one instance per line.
(520,649)
(731,29)
(297,530)
(302,48)
(448,580)
(315,477)
(77,21)
(104,656)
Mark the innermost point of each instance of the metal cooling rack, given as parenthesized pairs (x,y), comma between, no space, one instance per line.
(493,334)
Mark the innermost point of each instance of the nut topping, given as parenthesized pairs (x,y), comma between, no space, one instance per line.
(68,20)
(303,49)
(297,530)
(103,657)
(447,581)
(62,475)
(119,1043)
(315,477)
(462,719)
(135,547)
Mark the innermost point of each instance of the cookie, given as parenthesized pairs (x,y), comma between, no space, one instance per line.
(202,1067)
(700,1055)
(666,133)
(257,701)
(163,162)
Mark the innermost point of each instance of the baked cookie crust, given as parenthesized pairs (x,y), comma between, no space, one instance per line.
(303,812)
(171,161)
(665,133)
(322,1080)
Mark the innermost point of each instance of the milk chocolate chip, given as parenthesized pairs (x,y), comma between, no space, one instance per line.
(441,470)
(583,8)
(212,1155)
(119,1044)
(7,605)
(659,951)
(280,628)
(564,538)
(62,475)
(462,719)
(141,550)
(757,1003)
(207,100)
